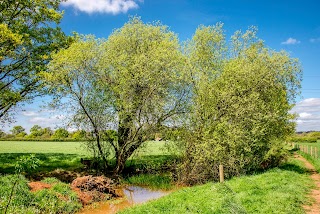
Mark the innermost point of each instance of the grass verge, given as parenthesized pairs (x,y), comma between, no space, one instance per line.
(58,199)
(315,162)
(280,190)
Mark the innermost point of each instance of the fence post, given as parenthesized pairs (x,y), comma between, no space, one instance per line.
(311,151)
(316,152)
(221,173)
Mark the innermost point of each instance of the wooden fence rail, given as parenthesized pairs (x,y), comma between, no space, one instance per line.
(311,150)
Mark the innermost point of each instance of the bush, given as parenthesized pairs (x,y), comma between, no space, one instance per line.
(301,138)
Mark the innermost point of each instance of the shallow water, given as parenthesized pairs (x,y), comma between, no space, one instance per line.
(133,194)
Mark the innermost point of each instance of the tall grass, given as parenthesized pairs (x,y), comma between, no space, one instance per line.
(58,199)
(151,181)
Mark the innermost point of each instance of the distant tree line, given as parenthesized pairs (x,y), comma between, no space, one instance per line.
(39,133)
(310,137)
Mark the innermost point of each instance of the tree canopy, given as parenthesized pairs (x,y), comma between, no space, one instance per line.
(230,102)
(17,130)
(28,35)
(242,96)
(133,81)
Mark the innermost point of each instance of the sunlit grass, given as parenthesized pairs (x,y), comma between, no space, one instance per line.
(280,190)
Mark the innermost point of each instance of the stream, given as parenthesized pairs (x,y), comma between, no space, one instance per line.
(133,194)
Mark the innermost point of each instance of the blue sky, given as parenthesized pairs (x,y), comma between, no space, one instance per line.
(292,25)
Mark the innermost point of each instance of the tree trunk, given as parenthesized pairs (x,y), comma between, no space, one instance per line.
(121,160)
(105,165)
(123,154)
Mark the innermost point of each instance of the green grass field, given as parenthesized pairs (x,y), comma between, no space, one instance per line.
(66,155)
(42,147)
(148,148)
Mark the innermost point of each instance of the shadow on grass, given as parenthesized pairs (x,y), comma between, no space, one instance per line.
(150,164)
(48,162)
(294,168)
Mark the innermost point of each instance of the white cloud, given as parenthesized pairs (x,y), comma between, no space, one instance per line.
(308,112)
(305,115)
(291,41)
(29,113)
(315,40)
(72,129)
(103,6)
(47,121)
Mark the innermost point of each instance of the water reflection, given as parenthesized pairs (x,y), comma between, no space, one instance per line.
(133,194)
(138,195)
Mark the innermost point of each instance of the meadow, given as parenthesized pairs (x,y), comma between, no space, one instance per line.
(279,190)
(66,155)
(42,147)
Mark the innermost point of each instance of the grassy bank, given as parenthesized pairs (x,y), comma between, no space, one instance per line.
(280,190)
(16,197)
(314,161)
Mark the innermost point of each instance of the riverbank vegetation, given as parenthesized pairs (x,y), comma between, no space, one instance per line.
(280,190)
(285,187)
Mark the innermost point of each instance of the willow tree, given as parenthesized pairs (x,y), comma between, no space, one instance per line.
(145,73)
(73,80)
(135,79)
(242,95)
(29,32)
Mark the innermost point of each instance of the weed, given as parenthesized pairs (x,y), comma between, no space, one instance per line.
(152,181)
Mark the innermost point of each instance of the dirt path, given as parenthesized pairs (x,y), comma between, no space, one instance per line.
(315,193)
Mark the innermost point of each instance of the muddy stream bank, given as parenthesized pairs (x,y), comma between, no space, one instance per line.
(132,195)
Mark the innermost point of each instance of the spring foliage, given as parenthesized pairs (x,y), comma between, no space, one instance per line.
(242,96)
(133,82)
(28,34)
(230,102)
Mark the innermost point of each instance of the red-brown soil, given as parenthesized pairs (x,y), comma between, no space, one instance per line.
(314,208)
(38,185)
(88,188)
